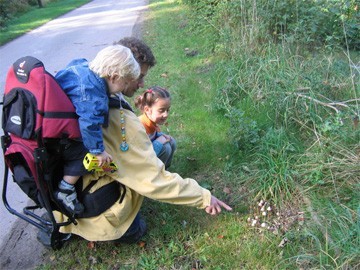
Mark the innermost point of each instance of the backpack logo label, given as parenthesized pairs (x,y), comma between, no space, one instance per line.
(16,120)
(20,71)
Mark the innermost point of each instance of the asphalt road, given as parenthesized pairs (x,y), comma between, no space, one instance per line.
(79,34)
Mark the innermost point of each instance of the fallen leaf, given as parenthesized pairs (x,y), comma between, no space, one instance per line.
(356,121)
(191,53)
(164,75)
(91,245)
(142,244)
(227,190)
(283,242)
(220,236)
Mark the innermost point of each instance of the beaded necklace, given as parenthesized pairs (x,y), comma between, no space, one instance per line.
(124,146)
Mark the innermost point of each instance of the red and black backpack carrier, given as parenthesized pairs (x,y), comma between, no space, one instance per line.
(38,119)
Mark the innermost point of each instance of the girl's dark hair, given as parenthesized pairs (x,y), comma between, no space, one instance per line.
(149,97)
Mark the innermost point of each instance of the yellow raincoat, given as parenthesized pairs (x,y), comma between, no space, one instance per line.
(142,173)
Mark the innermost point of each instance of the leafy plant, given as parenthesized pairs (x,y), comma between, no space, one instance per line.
(244,132)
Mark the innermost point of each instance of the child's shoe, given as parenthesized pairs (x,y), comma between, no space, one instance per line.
(68,197)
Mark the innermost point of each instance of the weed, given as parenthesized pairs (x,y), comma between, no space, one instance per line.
(243,131)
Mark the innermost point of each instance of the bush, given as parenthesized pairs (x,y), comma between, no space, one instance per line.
(332,23)
(313,22)
(8,9)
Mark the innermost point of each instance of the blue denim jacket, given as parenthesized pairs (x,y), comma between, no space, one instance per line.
(89,94)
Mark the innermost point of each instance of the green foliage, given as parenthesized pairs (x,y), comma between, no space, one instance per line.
(243,130)
(8,9)
(307,23)
(329,22)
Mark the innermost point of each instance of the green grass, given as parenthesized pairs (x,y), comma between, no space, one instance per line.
(36,17)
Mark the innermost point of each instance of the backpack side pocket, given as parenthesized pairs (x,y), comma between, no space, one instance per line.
(19,113)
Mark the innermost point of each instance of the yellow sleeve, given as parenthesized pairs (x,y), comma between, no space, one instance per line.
(141,170)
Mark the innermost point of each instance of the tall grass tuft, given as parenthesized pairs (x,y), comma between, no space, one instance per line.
(333,241)
(275,159)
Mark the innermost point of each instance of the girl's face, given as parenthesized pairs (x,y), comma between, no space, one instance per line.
(159,111)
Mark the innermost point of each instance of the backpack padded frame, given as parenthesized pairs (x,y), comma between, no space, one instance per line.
(37,118)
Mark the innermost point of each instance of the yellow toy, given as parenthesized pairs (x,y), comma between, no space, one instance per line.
(91,164)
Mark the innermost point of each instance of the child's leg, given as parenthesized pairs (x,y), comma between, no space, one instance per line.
(73,156)
(172,144)
(167,152)
(70,179)
(67,194)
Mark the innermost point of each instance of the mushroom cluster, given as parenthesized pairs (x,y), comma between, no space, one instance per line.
(265,216)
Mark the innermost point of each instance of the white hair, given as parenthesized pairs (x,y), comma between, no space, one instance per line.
(115,61)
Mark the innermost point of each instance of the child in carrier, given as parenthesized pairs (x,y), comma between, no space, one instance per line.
(88,85)
(155,104)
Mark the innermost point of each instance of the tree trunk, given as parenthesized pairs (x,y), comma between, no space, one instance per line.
(40,3)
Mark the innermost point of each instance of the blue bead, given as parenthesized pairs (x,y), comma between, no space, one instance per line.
(124,146)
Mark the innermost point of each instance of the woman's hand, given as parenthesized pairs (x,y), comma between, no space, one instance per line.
(215,206)
(103,158)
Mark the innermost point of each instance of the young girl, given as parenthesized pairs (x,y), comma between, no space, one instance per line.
(155,104)
(88,85)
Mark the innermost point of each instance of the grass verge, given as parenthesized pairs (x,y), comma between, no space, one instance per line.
(24,23)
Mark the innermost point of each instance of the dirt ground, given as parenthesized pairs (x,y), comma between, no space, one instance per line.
(21,250)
